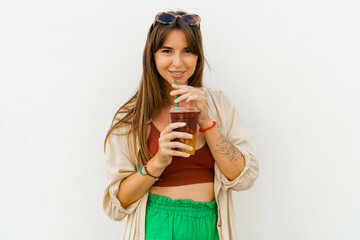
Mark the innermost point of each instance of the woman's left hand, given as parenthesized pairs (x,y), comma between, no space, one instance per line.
(191,94)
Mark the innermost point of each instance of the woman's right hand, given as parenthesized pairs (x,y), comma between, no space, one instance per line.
(167,147)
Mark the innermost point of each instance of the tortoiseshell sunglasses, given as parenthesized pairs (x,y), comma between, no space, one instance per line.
(168,18)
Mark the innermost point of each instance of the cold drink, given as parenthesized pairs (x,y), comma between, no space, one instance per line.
(190,116)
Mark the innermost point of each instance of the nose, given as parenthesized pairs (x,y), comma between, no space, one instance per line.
(177,60)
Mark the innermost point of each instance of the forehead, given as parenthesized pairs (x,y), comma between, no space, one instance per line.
(175,38)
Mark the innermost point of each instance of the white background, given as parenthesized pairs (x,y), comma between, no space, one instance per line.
(291,67)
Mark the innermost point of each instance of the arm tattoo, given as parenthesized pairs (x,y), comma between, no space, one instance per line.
(227,149)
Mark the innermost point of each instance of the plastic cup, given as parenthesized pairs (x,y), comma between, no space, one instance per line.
(189,115)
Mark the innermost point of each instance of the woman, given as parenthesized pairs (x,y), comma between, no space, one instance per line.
(193,198)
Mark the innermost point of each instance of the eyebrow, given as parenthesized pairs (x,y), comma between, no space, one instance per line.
(172,48)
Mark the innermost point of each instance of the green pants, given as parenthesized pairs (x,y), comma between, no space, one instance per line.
(180,219)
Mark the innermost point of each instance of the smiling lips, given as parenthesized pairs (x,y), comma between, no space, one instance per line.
(177,74)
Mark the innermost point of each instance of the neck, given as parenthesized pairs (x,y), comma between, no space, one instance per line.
(168,89)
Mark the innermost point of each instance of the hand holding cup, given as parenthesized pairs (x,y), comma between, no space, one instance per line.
(168,147)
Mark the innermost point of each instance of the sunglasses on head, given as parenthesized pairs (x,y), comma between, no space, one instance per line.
(168,18)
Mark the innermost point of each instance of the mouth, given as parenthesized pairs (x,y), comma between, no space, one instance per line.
(177,74)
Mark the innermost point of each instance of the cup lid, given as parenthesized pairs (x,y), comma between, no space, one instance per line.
(184,109)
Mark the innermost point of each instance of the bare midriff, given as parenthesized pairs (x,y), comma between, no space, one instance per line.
(200,192)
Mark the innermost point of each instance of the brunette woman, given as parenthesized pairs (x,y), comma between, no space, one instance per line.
(165,192)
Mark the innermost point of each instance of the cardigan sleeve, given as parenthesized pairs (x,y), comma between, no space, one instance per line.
(119,165)
(235,132)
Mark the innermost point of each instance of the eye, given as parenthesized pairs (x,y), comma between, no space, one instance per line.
(187,51)
(166,51)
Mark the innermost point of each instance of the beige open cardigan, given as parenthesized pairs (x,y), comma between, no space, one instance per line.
(120,163)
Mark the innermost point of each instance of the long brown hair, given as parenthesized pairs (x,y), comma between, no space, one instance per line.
(151,95)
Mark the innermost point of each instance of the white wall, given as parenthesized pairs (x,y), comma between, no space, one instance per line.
(292,67)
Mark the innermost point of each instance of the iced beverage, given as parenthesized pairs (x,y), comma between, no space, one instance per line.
(190,116)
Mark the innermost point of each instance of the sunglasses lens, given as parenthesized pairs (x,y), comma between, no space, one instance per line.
(166,18)
(189,19)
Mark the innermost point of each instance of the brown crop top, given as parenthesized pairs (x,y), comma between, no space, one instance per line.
(198,168)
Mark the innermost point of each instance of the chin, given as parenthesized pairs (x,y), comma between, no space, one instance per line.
(180,81)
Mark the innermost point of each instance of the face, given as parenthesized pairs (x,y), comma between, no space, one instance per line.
(174,59)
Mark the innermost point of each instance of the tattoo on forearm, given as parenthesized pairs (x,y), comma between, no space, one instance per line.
(227,149)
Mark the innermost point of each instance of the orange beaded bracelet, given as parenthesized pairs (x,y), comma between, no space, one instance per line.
(204,130)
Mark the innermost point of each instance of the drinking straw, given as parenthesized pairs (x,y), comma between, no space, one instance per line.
(175,81)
